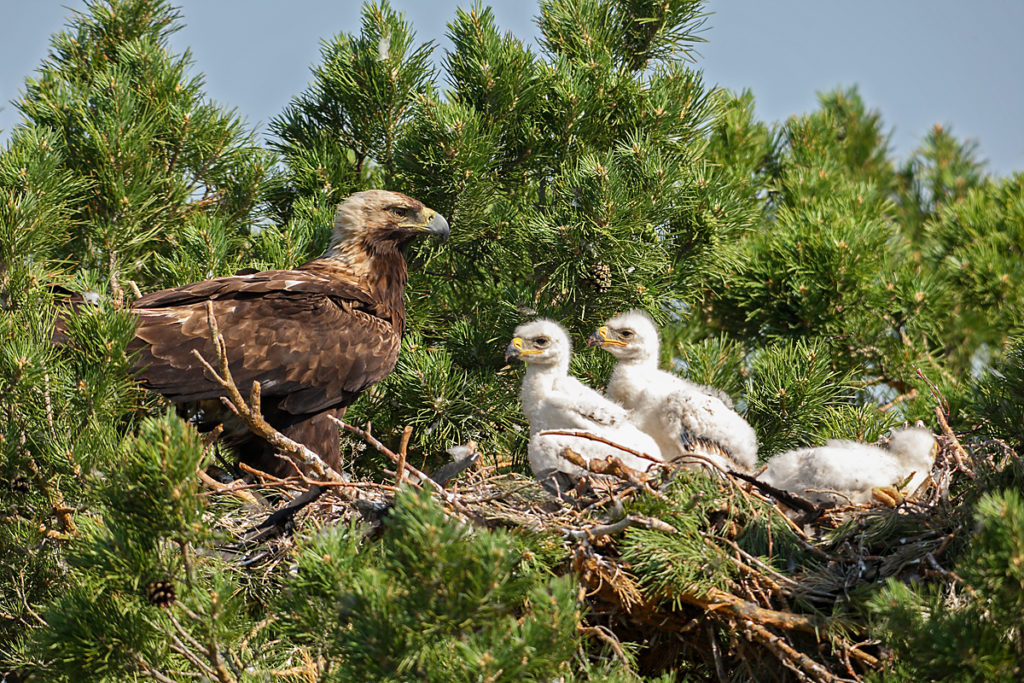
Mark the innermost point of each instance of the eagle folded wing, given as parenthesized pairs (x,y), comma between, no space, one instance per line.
(304,338)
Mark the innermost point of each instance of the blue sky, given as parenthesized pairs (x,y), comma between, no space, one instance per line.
(919,62)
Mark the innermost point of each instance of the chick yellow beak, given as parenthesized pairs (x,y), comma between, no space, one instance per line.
(600,338)
(514,349)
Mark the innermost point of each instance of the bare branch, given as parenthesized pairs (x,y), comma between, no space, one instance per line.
(403,450)
(610,466)
(598,531)
(250,413)
(418,478)
(959,454)
(593,437)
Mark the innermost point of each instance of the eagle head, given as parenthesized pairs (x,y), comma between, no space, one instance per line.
(379,221)
(540,342)
(628,336)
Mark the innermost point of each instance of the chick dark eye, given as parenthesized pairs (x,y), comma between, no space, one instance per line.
(540,341)
(625,334)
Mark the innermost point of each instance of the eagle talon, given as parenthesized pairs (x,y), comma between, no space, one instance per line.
(889,496)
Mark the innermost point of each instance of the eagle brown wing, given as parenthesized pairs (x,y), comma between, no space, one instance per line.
(312,342)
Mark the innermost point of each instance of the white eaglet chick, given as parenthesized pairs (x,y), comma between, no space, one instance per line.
(849,471)
(683,417)
(554,400)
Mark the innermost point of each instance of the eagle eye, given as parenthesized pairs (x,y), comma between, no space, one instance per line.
(398,211)
(626,334)
(541,341)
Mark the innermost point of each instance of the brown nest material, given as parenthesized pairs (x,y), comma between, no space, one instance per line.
(785,611)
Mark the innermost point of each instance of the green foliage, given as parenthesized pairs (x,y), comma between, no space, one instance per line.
(979,244)
(790,393)
(451,404)
(831,290)
(573,177)
(718,362)
(965,632)
(941,172)
(349,119)
(704,515)
(996,399)
(435,601)
(127,121)
(147,508)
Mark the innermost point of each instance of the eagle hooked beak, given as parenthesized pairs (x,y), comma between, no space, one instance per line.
(515,349)
(434,224)
(600,338)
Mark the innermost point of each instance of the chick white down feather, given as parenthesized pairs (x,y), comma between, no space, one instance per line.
(554,400)
(683,417)
(842,471)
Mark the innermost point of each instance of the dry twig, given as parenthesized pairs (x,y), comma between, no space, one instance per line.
(959,454)
(607,442)
(249,412)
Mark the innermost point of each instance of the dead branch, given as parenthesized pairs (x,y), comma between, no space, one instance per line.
(403,451)
(791,499)
(959,454)
(146,670)
(181,648)
(54,497)
(250,413)
(717,600)
(410,474)
(417,479)
(606,635)
(610,466)
(593,437)
(787,654)
(594,532)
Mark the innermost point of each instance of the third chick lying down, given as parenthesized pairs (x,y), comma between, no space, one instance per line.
(849,471)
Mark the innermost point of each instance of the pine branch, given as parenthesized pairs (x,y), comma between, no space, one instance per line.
(181,648)
(56,500)
(149,671)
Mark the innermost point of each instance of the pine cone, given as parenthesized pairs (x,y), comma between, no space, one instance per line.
(600,276)
(160,593)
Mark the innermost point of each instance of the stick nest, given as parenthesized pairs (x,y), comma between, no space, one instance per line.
(773,593)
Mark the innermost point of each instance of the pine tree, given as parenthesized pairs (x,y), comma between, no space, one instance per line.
(830,289)
(135,129)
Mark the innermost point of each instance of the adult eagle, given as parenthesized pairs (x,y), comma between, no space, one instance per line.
(314,337)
